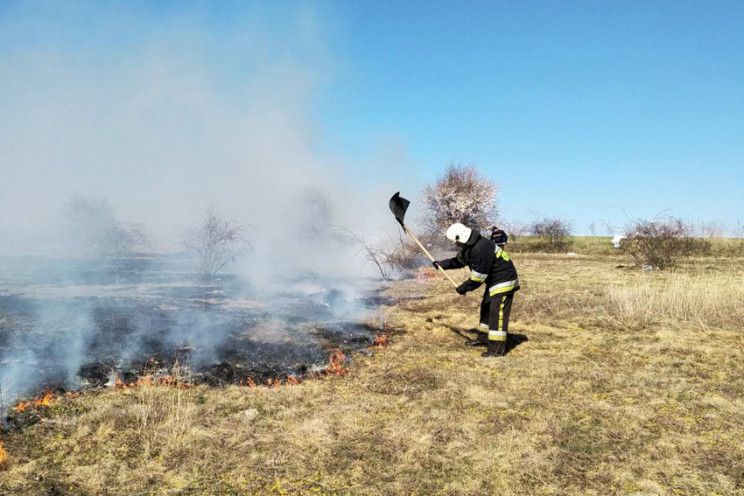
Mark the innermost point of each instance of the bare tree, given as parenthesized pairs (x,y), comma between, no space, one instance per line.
(461,194)
(554,235)
(514,228)
(387,254)
(217,241)
(95,230)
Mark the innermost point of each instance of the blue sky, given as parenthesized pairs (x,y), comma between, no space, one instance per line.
(573,108)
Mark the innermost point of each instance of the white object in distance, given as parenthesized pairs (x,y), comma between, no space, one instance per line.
(616,240)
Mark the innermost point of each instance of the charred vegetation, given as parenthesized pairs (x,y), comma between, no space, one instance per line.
(84,326)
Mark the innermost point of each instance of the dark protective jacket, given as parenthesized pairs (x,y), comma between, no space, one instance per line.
(488,264)
(499,237)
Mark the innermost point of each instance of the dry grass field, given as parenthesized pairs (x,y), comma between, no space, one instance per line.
(630,382)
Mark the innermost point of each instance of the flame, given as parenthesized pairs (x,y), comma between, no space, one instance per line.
(150,380)
(292,380)
(167,380)
(118,384)
(274,382)
(22,406)
(381,341)
(145,380)
(44,402)
(336,360)
(3,455)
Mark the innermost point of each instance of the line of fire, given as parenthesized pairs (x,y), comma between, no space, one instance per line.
(76,326)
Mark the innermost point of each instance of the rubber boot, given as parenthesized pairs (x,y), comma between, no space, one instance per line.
(495,349)
(481,340)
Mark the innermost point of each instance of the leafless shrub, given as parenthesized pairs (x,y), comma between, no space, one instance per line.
(460,195)
(216,242)
(94,228)
(515,229)
(402,254)
(661,242)
(387,254)
(554,235)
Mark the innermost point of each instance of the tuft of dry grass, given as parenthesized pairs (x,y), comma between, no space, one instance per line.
(164,415)
(704,301)
(585,406)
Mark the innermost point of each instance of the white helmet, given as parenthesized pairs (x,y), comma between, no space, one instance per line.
(458,233)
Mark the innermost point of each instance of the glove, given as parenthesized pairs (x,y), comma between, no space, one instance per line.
(436,264)
(460,290)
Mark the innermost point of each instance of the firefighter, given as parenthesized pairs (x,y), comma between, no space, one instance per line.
(499,237)
(491,265)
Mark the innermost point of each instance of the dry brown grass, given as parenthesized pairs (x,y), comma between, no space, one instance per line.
(682,298)
(589,405)
(164,415)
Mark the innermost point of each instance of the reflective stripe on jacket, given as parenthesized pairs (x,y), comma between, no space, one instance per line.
(488,264)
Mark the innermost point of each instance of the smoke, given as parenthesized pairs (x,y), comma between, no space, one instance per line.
(121,115)
(165,124)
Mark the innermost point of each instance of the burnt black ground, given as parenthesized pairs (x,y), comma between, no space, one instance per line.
(67,324)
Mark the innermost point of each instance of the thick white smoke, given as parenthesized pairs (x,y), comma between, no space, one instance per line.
(162,117)
(169,123)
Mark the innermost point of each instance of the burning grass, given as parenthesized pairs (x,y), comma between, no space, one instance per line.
(588,405)
(44,402)
(336,363)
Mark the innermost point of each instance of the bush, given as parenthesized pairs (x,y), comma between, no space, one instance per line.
(94,229)
(216,241)
(554,235)
(460,195)
(389,255)
(515,230)
(660,243)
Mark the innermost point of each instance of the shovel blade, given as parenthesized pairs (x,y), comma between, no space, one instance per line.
(399,205)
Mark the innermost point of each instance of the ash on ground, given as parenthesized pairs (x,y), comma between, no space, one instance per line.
(67,324)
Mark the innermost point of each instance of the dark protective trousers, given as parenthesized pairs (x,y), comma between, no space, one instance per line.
(485,311)
(494,316)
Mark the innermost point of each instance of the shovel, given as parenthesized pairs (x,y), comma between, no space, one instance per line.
(399,205)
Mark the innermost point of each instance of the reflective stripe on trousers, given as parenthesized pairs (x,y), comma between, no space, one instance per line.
(498,320)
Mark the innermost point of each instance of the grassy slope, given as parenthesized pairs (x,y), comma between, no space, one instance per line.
(600,245)
(593,403)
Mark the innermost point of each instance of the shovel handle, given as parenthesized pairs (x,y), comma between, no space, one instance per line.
(428,254)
